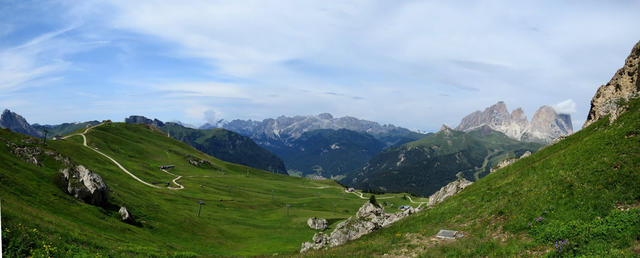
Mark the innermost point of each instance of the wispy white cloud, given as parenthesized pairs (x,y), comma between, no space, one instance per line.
(565,107)
(23,63)
(40,60)
(415,63)
(201,89)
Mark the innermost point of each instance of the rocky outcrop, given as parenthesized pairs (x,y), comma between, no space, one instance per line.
(510,161)
(317,223)
(545,125)
(624,85)
(197,162)
(85,185)
(143,120)
(17,124)
(27,153)
(448,191)
(370,217)
(125,216)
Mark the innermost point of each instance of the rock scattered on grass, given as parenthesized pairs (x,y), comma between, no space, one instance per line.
(85,185)
(317,223)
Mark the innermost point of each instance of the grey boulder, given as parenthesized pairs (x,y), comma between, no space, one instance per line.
(85,185)
(317,223)
(125,215)
(369,218)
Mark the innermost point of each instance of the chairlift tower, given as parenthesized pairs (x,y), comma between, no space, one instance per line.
(44,139)
(200,207)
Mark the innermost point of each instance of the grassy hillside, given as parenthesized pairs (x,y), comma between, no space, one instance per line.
(244,213)
(227,146)
(577,197)
(424,166)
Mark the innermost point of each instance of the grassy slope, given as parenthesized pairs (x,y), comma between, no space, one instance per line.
(435,160)
(572,187)
(228,146)
(37,215)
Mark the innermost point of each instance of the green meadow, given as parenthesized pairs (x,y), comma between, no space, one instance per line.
(244,211)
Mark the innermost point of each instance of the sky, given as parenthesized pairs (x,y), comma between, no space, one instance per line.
(415,64)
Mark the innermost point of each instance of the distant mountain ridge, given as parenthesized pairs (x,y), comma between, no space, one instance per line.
(16,123)
(304,142)
(545,126)
(329,153)
(287,128)
(64,128)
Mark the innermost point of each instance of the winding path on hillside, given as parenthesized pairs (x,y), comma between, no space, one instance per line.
(361,195)
(420,203)
(84,142)
(484,164)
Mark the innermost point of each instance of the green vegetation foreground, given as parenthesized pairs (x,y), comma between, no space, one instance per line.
(244,212)
(580,196)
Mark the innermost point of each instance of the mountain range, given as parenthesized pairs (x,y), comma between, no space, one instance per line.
(63,129)
(545,126)
(343,144)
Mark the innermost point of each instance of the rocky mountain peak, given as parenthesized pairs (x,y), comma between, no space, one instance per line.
(499,108)
(544,112)
(494,116)
(445,130)
(624,85)
(519,117)
(143,120)
(325,116)
(545,126)
(17,123)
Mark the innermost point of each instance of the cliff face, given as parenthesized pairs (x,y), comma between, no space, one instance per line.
(624,85)
(17,123)
(545,125)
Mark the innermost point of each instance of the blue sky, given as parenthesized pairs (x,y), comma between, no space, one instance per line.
(417,64)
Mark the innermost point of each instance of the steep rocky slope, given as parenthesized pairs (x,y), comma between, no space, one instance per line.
(624,85)
(545,126)
(17,123)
